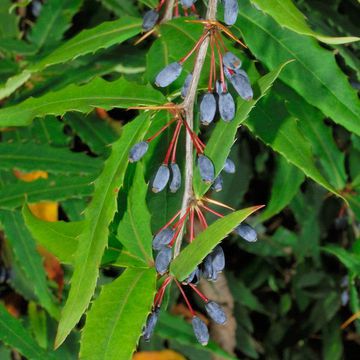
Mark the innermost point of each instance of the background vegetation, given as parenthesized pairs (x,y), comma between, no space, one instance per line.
(68,71)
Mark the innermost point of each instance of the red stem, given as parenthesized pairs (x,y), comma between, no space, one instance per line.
(198,43)
(173,157)
(222,77)
(161,3)
(192,215)
(201,218)
(212,63)
(221,41)
(168,153)
(170,221)
(176,11)
(185,298)
(161,130)
(197,142)
(199,292)
(212,211)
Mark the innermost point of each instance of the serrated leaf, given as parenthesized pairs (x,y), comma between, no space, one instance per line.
(288,15)
(24,249)
(13,334)
(90,40)
(314,75)
(51,189)
(57,237)
(94,132)
(275,127)
(97,93)
(134,230)
(223,136)
(29,157)
(286,184)
(115,321)
(14,83)
(98,215)
(202,245)
(54,19)
(176,328)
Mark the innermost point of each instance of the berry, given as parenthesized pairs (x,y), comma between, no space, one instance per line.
(200,330)
(163,260)
(176,178)
(162,238)
(194,277)
(187,3)
(216,312)
(217,184)
(219,87)
(207,108)
(226,106)
(247,232)
(231,8)
(206,168)
(150,19)
(161,178)
(218,259)
(207,267)
(241,83)
(168,75)
(231,61)
(229,166)
(186,85)
(138,151)
(150,324)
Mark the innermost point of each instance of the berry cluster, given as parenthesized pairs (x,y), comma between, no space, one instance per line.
(217,99)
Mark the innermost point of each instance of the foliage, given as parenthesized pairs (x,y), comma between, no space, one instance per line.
(77,95)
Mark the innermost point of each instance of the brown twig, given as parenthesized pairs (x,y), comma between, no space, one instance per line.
(168,11)
(188,106)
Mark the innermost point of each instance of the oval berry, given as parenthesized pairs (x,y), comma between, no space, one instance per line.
(163,259)
(168,75)
(186,85)
(162,238)
(241,83)
(150,324)
(231,61)
(175,178)
(138,151)
(161,179)
(200,330)
(247,232)
(231,8)
(229,166)
(226,107)
(150,19)
(218,258)
(216,312)
(207,108)
(217,184)
(194,277)
(206,168)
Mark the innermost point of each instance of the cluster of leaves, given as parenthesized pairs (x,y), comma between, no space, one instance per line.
(297,150)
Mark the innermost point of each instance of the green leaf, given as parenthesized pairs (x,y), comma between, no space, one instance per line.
(57,237)
(90,40)
(13,334)
(54,19)
(98,215)
(275,127)
(347,258)
(286,184)
(202,245)
(104,94)
(115,321)
(29,157)
(24,249)
(52,189)
(314,75)
(223,136)
(288,15)
(134,230)
(8,22)
(178,329)
(14,83)
(94,132)
(38,325)
(311,123)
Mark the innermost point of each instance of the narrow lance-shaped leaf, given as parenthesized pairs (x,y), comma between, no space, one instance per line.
(97,93)
(314,75)
(134,230)
(98,216)
(114,323)
(289,16)
(13,334)
(202,245)
(276,128)
(223,137)
(52,189)
(32,156)
(286,184)
(27,257)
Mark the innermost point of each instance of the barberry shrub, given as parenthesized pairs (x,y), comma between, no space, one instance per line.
(140,141)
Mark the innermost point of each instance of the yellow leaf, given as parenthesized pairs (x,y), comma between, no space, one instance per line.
(158,355)
(31,176)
